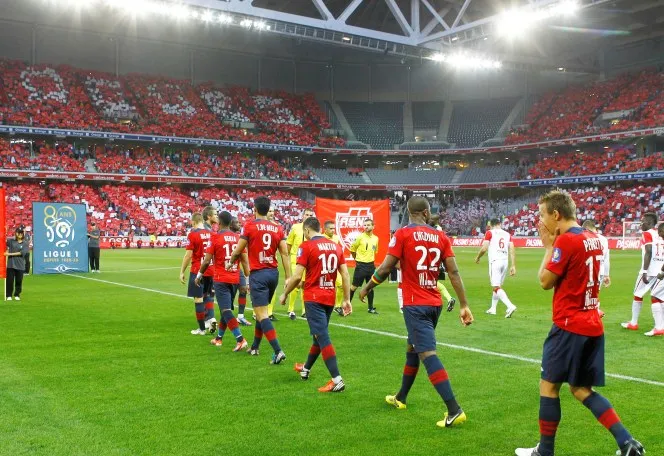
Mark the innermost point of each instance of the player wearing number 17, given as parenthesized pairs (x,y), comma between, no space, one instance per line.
(420,250)
(574,349)
(263,238)
(322,259)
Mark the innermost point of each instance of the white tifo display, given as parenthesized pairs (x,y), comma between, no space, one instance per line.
(631,234)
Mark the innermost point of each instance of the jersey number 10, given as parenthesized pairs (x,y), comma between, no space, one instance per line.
(329,263)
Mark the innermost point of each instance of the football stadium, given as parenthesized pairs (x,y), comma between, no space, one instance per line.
(332,227)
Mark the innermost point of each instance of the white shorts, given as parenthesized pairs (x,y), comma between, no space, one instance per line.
(657,290)
(641,288)
(497,272)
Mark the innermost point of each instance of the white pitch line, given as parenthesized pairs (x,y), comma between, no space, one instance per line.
(138,270)
(396,336)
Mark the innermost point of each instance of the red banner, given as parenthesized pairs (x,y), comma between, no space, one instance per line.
(349,217)
(614,243)
(3,234)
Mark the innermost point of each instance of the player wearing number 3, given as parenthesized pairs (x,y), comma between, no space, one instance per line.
(498,243)
(420,250)
(322,259)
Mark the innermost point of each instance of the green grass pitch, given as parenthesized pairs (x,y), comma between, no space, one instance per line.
(108,367)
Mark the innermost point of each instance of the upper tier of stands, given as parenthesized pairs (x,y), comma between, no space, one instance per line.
(476,121)
(572,112)
(65,97)
(378,124)
(410,176)
(499,173)
(338,175)
(427,115)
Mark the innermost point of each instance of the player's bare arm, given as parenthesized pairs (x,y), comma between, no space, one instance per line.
(292,283)
(646,262)
(204,265)
(512,259)
(241,246)
(465,315)
(186,261)
(285,259)
(244,262)
(381,273)
(483,250)
(345,283)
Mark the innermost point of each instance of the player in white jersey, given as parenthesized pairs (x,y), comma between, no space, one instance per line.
(657,290)
(498,243)
(648,271)
(605,264)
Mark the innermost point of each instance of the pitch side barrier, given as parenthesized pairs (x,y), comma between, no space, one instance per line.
(200,142)
(13,174)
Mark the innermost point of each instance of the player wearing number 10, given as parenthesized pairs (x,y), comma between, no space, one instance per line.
(322,259)
(574,349)
(420,250)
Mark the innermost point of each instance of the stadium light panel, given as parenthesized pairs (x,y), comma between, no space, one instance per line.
(207,16)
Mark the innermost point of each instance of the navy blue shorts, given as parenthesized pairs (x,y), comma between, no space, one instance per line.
(262,285)
(572,358)
(318,317)
(198,292)
(243,279)
(421,322)
(225,295)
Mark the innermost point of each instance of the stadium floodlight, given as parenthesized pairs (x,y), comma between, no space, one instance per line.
(516,22)
(465,60)
(207,16)
(225,19)
(247,23)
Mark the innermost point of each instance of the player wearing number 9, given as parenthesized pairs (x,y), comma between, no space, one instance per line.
(573,352)
(322,259)
(420,250)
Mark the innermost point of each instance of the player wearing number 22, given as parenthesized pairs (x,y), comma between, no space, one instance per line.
(420,250)
(263,239)
(322,259)
(226,282)
(574,349)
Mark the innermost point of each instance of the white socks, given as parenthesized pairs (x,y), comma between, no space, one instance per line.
(494,302)
(658,315)
(636,310)
(503,297)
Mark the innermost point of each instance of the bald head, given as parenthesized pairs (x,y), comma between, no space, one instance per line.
(418,204)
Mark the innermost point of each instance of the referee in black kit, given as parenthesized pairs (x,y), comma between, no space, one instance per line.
(93,247)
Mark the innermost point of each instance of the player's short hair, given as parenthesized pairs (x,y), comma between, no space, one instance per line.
(262,205)
(196,218)
(435,220)
(589,225)
(494,222)
(652,217)
(369,220)
(660,229)
(207,212)
(225,218)
(328,223)
(418,204)
(312,223)
(561,201)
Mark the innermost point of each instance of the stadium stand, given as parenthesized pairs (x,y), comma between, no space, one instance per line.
(338,175)
(573,111)
(476,121)
(109,96)
(495,173)
(410,176)
(427,115)
(60,157)
(377,124)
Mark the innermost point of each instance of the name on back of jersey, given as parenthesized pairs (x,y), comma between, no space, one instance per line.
(592,244)
(266,227)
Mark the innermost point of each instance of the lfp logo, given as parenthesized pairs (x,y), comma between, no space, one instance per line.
(59,224)
(351,224)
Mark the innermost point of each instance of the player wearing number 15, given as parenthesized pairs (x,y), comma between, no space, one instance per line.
(420,249)
(263,238)
(574,349)
(322,259)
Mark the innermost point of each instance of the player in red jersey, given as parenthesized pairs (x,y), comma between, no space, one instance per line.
(199,239)
(242,290)
(263,238)
(420,249)
(210,223)
(574,350)
(322,259)
(226,283)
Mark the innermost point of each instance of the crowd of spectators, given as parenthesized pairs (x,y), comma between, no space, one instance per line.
(43,157)
(573,112)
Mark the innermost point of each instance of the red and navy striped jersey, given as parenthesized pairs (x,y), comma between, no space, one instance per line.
(421,249)
(321,258)
(223,245)
(263,238)
(577,261)
(199,240)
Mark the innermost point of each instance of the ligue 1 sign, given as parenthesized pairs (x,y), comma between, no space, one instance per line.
(60,242)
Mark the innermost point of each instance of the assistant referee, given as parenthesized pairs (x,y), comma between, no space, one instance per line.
(364,250)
